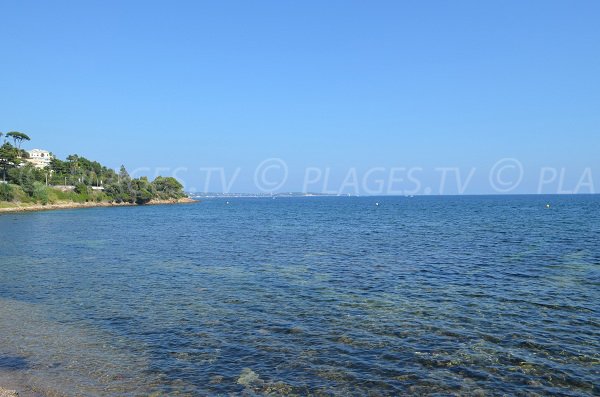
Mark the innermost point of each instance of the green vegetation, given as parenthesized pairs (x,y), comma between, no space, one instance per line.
(75,179)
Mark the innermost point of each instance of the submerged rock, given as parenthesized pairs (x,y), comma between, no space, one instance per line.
(216,379)
(278,389)
(249,378)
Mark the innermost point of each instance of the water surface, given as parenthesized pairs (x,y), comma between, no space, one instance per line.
(305,296)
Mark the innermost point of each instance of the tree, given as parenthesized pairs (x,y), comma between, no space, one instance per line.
(6,192)
(18,137)
(124,175)
(81,188)
(40,193)
(143,190)
(59,166)
(114,191)
(25,177)
(9,157)
(121,189)
(168,187)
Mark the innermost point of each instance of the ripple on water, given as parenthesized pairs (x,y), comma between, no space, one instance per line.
(428,296)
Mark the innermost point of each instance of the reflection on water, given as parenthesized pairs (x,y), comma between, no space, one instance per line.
(320,296)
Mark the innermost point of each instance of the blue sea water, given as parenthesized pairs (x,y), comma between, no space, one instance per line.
(322,296)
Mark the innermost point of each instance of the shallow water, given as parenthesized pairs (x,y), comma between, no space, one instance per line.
(305,296)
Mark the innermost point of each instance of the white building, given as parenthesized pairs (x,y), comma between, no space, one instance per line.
(39,158)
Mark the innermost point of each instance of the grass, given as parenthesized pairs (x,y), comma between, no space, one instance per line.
(49,195)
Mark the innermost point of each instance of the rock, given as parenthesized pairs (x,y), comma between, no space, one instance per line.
(216,379)
(278,389)
(249,378)
(479,393)
(8,393)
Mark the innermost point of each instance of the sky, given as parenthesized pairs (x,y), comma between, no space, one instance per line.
(348,97)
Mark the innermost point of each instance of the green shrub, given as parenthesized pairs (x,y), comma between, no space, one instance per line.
(80,198)
(167,188)
(6,192)
(65,196)
(81,188)
(100,196)
(20,195)
(40,193)
(24,177)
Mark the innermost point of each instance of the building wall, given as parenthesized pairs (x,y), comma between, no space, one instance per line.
(39,158)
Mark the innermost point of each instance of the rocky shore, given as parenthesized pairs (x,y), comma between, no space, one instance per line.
(8,393)
(70,205)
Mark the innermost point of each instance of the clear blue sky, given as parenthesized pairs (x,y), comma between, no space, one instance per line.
(335,84)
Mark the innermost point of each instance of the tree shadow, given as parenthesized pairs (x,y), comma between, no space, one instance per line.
(13,363)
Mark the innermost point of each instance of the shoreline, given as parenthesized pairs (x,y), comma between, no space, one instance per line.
(73,205)
(8,392)
(15,384)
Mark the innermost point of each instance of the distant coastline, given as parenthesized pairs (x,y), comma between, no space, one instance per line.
(203,195)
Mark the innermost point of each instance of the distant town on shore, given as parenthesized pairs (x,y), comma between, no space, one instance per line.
(37,177)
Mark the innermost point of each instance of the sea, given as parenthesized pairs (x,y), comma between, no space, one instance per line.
(305,296)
